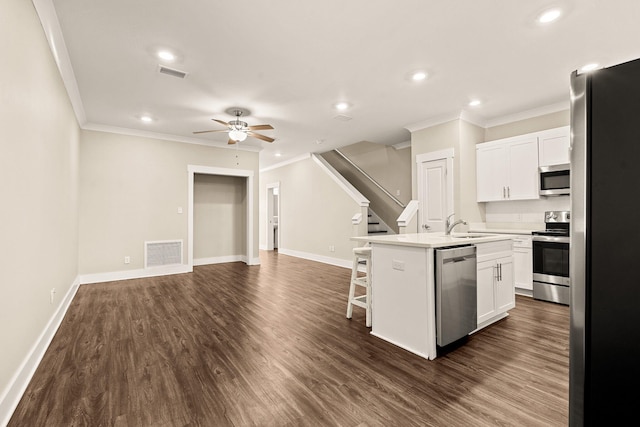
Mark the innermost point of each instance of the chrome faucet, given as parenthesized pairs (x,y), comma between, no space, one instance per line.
(449,226)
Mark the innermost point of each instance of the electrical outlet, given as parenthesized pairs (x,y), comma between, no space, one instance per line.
(397,265)
(397,192)
(179,209)
(127,259)
(52,295)
(332,248)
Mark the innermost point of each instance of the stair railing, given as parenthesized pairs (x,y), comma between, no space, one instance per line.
(384,190)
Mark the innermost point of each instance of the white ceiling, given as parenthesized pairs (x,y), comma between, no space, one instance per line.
(290,61)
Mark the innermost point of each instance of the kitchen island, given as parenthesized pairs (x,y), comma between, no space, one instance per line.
(403,285)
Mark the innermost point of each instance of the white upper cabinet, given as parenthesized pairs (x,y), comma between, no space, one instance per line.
(507,169)
(553,146)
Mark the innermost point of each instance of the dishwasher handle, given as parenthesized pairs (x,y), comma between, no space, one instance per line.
(458,259)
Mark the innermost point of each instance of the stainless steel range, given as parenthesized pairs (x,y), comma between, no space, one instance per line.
(551,259)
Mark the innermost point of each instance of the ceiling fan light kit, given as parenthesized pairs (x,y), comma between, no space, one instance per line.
(237,135)
(237,129)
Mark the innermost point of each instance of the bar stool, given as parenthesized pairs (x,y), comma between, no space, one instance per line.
(361,254)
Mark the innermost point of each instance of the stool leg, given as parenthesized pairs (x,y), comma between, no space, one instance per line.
(368,281)
(352,287)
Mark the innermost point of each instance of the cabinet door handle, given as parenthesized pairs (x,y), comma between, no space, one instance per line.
(508,192)
(504,192)
(499,272)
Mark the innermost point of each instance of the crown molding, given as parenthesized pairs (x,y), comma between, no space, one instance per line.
(286,162)
(49,20)
(401,145)
(166,137)
(528,114)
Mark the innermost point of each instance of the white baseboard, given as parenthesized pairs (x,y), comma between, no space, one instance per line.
(134,274)
(219,260)
(13,393)
(524,292)
(319,258)
(223,259)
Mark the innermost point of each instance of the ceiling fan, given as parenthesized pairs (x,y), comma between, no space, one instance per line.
(239,130)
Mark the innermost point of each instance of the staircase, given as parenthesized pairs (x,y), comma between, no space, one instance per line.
(376,226)
(387,207)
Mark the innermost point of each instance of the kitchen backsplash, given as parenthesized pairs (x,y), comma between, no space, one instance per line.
(523,213)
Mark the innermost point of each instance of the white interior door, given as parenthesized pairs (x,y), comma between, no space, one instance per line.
(435,190)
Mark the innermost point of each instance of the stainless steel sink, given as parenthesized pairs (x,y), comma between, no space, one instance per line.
(468,236)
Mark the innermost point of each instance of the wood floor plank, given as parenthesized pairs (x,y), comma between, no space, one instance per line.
(269,345)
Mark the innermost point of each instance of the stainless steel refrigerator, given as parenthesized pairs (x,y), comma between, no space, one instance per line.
(605,247)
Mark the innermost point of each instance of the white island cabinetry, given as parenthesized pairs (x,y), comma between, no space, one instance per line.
(403,285)
(496,292)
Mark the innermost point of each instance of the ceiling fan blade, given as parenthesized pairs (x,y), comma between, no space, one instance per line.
(260,127)
(221,122)
(217,130)
(262,137)
(231,141)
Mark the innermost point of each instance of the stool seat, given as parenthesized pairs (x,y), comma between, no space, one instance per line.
(360,255)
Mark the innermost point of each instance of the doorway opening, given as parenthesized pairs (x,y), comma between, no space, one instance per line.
(273,216)
(250,257)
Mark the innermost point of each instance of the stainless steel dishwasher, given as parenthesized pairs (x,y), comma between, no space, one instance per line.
(456,293)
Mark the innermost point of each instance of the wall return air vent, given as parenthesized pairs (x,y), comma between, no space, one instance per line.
(171,72)
(162,252)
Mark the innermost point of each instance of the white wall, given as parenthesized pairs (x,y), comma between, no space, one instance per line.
(39,188)
(315,213)
(130,191)
(462,137)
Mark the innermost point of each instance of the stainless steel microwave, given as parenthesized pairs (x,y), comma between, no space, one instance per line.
(554,180)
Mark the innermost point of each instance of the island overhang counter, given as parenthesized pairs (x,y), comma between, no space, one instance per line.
(403,285)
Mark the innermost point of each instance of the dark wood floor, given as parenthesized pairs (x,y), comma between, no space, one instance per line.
(232,345)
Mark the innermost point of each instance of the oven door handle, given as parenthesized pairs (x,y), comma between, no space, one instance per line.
(562,239)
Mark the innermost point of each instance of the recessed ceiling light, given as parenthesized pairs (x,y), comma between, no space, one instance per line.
(590,67)
(418,76)
(146,119)
(474,103)
(341,106)
(166,55)
(549,16)
(278,154)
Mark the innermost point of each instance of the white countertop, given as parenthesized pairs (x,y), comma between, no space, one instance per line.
(432,240)
(505,228)
(502,230)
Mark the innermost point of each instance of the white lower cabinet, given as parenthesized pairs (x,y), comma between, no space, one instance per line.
(523,263)
(496,294)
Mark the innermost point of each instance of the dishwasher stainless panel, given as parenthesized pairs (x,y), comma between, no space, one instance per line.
(456,293)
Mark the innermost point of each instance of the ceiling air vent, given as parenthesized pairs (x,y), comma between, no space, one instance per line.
(342,118)
(171,72)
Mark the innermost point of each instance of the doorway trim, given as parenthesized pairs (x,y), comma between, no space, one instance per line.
(250,258)
(269,228)
(447,155)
